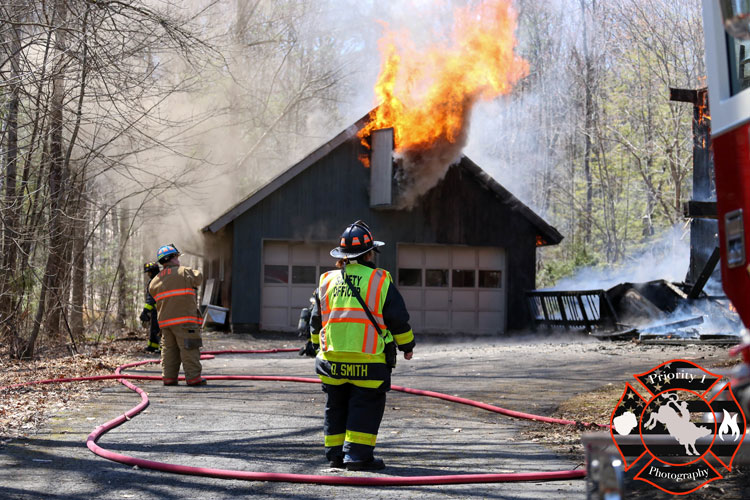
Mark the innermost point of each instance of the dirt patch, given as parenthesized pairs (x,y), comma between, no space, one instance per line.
(26,409)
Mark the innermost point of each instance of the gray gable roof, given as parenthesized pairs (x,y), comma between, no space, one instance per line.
(257,196)
(549,234)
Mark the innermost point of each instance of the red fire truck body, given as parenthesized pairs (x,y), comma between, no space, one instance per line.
(726,26)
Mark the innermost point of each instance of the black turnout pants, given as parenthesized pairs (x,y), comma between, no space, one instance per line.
(352,419)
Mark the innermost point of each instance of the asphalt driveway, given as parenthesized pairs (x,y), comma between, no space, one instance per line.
(269,426)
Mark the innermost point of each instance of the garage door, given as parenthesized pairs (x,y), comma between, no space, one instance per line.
(453,289)
(290,274)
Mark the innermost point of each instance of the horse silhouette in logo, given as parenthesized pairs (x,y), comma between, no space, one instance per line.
(676,418)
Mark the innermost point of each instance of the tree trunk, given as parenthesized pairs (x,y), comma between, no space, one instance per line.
(57,179)
(11,209)
(79,268)
(122,282)
(28,350)
(588,127)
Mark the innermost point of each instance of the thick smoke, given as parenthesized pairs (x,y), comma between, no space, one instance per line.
(421,169)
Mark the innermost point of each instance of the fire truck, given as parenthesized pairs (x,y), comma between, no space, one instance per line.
(726,26)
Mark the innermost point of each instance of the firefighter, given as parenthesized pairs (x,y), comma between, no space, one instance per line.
(355,357)
(148,315)
(175,290)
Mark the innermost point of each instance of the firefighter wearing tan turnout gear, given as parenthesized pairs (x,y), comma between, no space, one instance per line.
(175,291)
(355,356)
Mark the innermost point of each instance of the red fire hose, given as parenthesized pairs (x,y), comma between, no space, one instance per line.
(301,478)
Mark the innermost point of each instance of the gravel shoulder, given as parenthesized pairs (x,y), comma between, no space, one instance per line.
(276,426)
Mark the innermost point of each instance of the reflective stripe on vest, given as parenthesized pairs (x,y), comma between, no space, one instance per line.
(346,326)
(179,321)
(173,293)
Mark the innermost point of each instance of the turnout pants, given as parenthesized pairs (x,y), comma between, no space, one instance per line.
(154,338)
(352,419)
(181,345)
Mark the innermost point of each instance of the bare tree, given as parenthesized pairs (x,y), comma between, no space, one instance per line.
(78,113)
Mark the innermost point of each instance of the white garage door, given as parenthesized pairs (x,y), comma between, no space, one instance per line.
(452,289)
(290,274)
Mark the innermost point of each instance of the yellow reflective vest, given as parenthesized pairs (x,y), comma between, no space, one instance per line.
(350,348)
(346,326)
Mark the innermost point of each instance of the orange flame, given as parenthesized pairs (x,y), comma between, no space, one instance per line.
(427,96)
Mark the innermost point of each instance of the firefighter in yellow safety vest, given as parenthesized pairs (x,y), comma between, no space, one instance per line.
(358,321)
(175,291)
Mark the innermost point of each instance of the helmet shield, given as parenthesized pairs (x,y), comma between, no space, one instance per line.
(356,240)
(150,267)
(167,252)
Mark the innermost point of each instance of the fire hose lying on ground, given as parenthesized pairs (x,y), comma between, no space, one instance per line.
(91,441)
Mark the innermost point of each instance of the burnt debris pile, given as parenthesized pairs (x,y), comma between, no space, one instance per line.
(654,311)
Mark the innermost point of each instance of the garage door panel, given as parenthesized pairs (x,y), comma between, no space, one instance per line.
(491,258)
(284,294)
(436,320)
(490,321)
(409,256)
(324,255)
(413,298)
(275,252)
(464,300)
(463,321)
(490,300)
(301,296)
(415,319)
(464,258)
(275,296)
(437,299)
(458,283)
(437,257)
(274,317)
(304,254)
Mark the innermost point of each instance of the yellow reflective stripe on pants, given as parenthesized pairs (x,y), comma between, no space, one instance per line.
(361,438)
(334,440)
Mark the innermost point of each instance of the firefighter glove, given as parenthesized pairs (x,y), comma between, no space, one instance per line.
(308,350)
(145,316)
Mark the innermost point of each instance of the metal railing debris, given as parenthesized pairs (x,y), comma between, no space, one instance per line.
(587,309)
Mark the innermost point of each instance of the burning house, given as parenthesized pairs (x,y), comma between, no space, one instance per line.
(461,248)
(462,253)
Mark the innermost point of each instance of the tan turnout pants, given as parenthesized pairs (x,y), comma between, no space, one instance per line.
(181,345)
